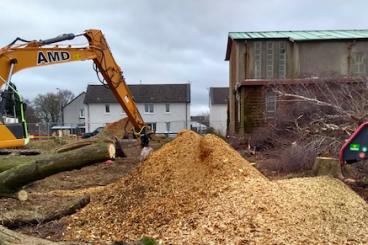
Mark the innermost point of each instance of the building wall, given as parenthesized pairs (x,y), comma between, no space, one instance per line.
(218,116)
(252,108)
(178,117)
(303,60)
(328,58)
(71,112)
(232,85)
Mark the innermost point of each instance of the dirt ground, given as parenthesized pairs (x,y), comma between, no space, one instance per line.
(43,200)
(45,196)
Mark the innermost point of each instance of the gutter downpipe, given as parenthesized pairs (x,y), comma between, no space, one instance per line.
(349,58)
(246,59)
(88,119)
(186,115)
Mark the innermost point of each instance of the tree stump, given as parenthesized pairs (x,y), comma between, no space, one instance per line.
(327,166)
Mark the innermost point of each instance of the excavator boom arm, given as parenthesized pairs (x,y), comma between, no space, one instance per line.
(14,58)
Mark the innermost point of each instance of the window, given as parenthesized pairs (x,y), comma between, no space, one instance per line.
(107,108)
(269,59)
(81,113)
(271,104)
(153,126)
(257,59)
(148,108)
(358,63)
(282,60)
(167,109)
(168,127)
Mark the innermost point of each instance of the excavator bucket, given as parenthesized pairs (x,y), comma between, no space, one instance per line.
(131,148)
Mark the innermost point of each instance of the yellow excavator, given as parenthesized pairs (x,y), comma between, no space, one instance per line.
(14,58)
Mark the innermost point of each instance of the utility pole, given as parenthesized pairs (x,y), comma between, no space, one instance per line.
(59,118)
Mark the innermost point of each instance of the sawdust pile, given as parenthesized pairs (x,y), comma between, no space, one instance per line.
(122,126)
(198,190)
(119,128)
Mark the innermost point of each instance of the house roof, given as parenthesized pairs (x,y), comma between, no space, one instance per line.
(74,99)
(142,93)
(302,35)
(219,95)
(296,36)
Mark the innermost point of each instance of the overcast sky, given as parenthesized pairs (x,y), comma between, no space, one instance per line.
(161,41)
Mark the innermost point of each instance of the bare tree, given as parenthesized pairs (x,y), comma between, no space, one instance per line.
(321,113)
(333,102)
(48,106)
(29,112)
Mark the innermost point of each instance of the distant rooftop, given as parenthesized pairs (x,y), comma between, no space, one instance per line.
(219,95)
(142,93)
(296,36)
(302,35)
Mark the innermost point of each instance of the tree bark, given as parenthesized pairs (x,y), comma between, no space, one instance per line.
(15,178)
(102,136)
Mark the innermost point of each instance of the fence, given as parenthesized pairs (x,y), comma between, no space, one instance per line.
(44,131)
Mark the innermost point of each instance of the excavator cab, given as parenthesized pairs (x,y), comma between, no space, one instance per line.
(355,148)
(13,127)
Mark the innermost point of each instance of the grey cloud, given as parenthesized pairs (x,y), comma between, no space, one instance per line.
(162,41)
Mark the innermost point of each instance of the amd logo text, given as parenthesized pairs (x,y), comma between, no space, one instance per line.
(50,57)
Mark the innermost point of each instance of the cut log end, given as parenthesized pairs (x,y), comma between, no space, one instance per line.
(22,195)
(111,151)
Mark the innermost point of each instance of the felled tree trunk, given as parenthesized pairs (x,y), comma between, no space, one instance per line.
(15,178)
(327,166)
(103,136)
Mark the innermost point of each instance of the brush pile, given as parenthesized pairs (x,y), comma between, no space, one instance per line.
(198,190)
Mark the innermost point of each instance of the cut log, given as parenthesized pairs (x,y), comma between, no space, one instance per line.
(327,166)
(21,195)
(103,136)
(18,222)
(15,178)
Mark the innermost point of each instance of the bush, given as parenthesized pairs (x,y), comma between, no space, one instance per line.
(298,157)
(149,241)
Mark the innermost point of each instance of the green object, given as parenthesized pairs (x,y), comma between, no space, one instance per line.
(364,149)
(354,147)
(149,241)
(302,35)
(21,110)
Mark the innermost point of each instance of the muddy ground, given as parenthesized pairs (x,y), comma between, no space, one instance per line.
(45,196)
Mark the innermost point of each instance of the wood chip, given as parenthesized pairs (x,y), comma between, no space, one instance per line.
(198,190)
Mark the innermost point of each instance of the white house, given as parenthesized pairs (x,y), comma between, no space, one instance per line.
(74,112)
(165,107)
(199,124)
(219,98)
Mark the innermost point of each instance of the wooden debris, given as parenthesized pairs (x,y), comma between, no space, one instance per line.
(198,190)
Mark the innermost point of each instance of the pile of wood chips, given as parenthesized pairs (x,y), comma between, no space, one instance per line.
(198,190)
(119,127)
